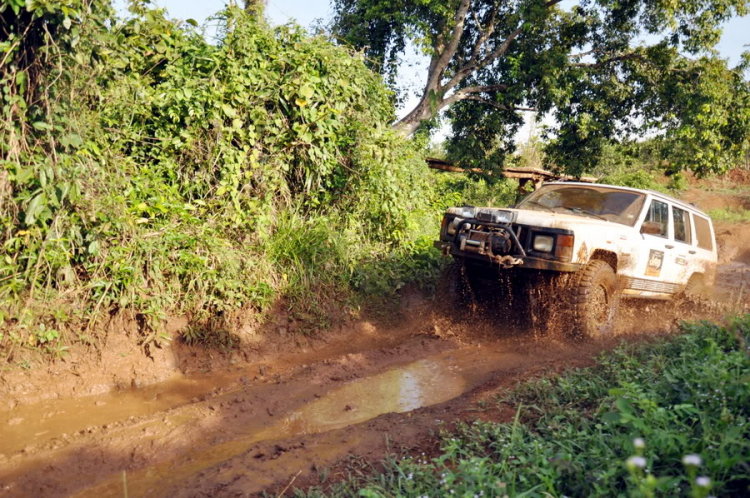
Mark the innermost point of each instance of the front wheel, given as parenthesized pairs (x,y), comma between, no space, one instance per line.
(595,300)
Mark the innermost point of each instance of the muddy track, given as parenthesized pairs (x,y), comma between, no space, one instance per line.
(250,431)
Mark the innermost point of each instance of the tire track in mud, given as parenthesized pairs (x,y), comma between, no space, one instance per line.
(252,434)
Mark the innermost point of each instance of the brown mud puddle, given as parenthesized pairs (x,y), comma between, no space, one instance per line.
(422,383)
(31,425)
(167,435)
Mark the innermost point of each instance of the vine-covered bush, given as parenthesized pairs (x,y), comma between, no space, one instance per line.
(144,168)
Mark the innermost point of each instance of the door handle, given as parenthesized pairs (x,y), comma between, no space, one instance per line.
(691,251)
(669,246)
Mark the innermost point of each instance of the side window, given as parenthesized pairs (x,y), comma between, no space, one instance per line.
(703,232)
(681,225)
(657,219)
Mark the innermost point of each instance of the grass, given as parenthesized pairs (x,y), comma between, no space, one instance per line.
(667,418)
(731,215)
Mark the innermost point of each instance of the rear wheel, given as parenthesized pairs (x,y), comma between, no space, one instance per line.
(695,288)
(595,300)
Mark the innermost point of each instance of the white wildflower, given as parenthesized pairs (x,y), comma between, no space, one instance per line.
(636,461)
(692,459)
(639,443)
(703,481)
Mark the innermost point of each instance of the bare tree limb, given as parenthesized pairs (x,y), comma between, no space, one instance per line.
(475,52)
(444,57)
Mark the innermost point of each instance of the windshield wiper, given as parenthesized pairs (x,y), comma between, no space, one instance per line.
(540,204)
(583,211)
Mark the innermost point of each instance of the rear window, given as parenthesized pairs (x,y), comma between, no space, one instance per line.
(681,225)
(703,232)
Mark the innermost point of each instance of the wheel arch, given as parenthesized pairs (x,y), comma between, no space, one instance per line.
(609,257)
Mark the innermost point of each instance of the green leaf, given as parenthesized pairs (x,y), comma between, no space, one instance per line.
(67,23)
(306,92)
(40,125)
(93,248)
(192,22)
(229,110)
(34,208)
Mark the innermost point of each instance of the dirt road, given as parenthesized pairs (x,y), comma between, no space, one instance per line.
(245,431)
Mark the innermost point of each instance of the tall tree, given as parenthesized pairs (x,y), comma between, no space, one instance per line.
(603,68)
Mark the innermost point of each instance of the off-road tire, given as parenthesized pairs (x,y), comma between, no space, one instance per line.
(454,290)
(695,288)
(692,295)
(595,300)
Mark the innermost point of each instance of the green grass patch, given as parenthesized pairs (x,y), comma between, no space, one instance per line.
(667,418)
(732,215)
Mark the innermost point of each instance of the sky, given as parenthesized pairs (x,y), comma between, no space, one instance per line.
(306,12)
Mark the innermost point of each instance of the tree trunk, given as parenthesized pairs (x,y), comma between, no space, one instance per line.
(256,7)
(409,123)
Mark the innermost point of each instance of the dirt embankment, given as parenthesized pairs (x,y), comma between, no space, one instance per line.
(282,408)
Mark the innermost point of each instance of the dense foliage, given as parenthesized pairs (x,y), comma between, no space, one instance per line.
(670,418)
(604,70)
(146,169)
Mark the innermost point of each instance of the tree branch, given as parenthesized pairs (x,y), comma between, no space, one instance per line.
(483,89)
(473,65)
(439,64)
(476,50)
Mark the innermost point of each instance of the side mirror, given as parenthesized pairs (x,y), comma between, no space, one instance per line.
(652,228)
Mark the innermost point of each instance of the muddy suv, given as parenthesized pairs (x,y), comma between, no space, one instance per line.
(596,243)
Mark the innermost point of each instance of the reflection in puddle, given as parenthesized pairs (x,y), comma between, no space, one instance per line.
(422,383)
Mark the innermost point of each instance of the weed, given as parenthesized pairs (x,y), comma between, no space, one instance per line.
(731,215)
(162,175)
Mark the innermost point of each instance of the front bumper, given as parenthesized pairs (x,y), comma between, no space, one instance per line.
(521,261)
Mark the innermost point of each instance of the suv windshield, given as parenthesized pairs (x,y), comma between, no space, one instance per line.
(619,206)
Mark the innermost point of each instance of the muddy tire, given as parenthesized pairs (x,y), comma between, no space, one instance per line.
(454,290)
(595,300)
(694,289)
(691,297)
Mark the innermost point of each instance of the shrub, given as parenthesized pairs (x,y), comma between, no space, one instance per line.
(149,170)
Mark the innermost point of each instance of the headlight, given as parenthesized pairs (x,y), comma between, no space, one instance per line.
(504,216)
(464,212)
(543,243)
(453,224)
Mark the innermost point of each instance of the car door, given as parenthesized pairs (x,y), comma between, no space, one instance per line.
(703,259)
(656,272)
(685,254)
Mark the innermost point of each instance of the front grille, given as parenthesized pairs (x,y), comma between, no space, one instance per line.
(484,216)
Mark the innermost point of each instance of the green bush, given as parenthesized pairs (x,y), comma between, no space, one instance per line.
(148,170)
(668,418)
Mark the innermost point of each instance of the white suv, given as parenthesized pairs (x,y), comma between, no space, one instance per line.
(602,242)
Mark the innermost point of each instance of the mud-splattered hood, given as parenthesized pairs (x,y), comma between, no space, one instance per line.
(560,220)
(550,219)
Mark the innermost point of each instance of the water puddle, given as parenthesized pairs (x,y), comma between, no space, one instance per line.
(422,383)
(33,424)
